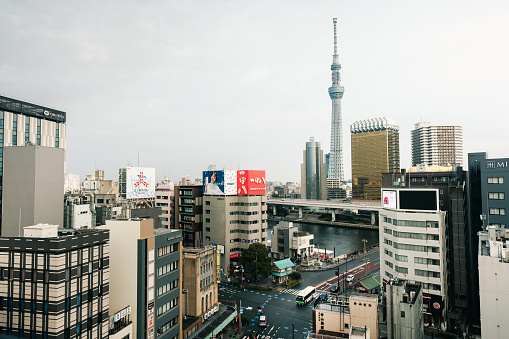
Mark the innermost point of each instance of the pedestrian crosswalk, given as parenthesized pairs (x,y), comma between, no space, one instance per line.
(291,291)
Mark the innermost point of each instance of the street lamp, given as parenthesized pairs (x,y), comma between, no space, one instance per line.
(364,243)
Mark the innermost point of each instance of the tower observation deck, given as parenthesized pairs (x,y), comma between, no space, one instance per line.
(336,166)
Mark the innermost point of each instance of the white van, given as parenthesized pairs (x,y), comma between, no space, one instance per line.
(262,322)
(349,278)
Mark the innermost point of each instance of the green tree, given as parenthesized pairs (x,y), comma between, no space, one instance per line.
(256,261)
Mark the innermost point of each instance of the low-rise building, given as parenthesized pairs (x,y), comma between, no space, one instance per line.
(404,310)
(281,270)
(337,317)
(288,242)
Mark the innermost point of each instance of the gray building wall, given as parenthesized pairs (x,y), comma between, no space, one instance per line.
(33,180)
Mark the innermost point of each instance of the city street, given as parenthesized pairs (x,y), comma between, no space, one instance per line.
(279,306)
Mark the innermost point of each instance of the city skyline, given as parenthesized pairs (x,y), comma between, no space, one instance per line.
(183,86)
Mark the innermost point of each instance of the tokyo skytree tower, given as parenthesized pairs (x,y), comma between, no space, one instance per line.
(336,167)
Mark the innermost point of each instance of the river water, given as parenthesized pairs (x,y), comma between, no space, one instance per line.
(344,239)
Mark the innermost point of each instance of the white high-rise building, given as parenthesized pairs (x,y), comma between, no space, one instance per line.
(437,145)
(413,247)
(336,166)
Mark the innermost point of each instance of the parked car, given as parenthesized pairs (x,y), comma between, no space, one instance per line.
(349,278)
(334,289)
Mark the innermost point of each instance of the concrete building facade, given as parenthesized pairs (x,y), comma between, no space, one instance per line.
(200,287)
(54,286)
(146,266)
(233,222)
(404,310)
(375,150)
(413,247)
(313,172)
(493,278)
(437,145)
(33,187)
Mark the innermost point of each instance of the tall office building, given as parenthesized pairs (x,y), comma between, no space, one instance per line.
(54,285)
(488,183)
(336,166)
(437,145)
(451,182)
(375,150)
(22,123)
(314,183)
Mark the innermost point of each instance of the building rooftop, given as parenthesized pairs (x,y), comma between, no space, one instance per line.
(284,264)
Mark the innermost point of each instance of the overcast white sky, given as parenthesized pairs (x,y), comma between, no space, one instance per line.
(241,84)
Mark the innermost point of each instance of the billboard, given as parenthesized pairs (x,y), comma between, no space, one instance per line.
(418,200)
(219,182)
(250,182)
(140,182)
(389,199)
(411,199)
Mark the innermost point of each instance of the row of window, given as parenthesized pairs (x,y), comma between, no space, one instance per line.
(497,211)
(244,240)
(167,287)
(167,268)
(496,196)
(495,180)
(424,273)
(244,231)
(409,247)
(244,213)
(244,222)
(206,282)
(414,223)
(421,236)
(243,204)
(166,327)
(162,251)
(168,306)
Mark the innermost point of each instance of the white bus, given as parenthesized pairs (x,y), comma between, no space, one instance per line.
(305,296)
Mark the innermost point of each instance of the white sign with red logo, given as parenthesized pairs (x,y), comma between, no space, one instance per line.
(140,182)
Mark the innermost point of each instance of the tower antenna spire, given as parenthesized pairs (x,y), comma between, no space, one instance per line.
(335,21)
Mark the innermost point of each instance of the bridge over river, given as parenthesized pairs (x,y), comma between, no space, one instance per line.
(328,206)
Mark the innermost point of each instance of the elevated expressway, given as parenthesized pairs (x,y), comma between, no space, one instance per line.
(327,205)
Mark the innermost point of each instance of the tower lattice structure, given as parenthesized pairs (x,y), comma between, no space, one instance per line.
(336,166)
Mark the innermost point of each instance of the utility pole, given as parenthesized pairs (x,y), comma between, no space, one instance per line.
(240,314)
(293,330)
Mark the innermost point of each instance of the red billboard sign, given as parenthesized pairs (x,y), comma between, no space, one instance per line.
(250,182)
(235,255)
